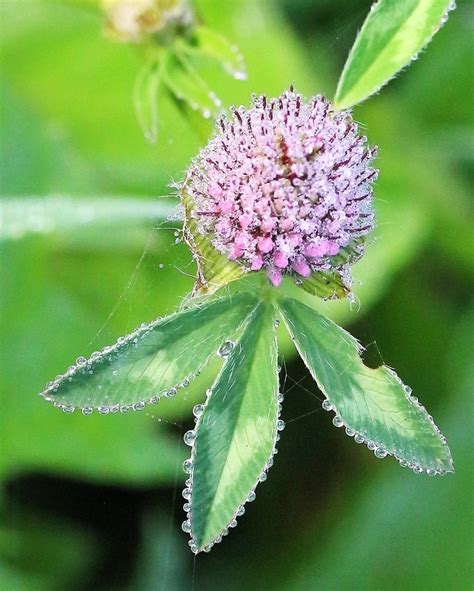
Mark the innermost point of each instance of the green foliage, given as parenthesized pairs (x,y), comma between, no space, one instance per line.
(235,434)
(373,404)
(393,34)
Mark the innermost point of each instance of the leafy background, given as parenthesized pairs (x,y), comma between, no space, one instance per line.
(94,502)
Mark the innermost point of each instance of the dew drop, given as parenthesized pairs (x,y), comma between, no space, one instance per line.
(197,410)
(263,477)
(251,497)
(380,453)
(280,425)
(350,432)
(337,421)
(170,393)
(186,526)
(87,411)
(327,405)
(359,439)
(104,410)
(233,523)
(240,511)
(226,348)
(187,492)
(139,406)
(189,437)
(188,466)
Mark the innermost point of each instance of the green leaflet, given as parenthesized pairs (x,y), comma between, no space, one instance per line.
(145,98)
(186,84)
(151,362)
(236,432)
(214,270)
(214,45)
(372,404)
(394,33)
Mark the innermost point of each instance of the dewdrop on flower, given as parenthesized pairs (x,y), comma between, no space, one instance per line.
(283,186)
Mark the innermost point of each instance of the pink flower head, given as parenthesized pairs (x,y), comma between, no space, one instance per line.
(284,186)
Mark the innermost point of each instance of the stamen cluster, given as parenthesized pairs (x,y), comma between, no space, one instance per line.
(284,185)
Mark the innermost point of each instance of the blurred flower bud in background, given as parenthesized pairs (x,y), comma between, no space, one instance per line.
(132,20)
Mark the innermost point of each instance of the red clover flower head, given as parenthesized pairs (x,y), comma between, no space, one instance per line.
(284,185)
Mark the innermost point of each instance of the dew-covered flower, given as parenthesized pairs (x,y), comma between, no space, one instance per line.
(284,185)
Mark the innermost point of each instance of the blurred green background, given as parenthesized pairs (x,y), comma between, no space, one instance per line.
(95,502)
